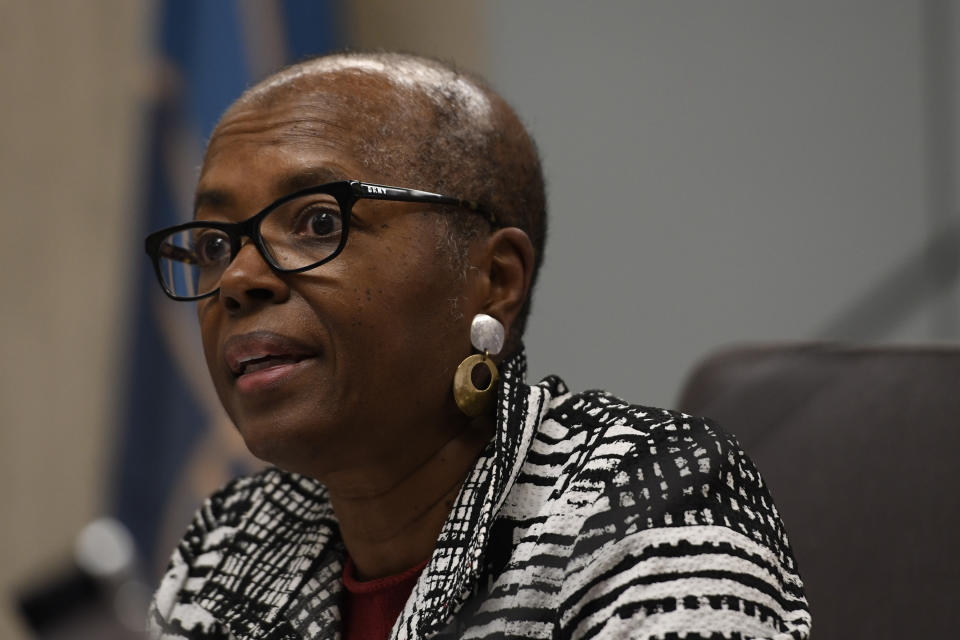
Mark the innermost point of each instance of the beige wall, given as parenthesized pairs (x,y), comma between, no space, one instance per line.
(454,30)
(72,75)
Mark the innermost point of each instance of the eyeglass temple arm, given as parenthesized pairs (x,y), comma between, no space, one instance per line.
(383,192)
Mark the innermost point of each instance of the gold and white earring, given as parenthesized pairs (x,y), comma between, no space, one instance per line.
(486,336)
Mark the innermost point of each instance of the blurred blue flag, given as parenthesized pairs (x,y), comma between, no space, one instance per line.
(174,444)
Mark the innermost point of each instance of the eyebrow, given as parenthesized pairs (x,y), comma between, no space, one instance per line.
(214,198)
(287,184)
(306,178)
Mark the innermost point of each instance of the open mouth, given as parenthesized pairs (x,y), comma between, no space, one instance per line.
(261,351)
(259,363)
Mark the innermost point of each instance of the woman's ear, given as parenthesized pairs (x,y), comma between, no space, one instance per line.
(509,266)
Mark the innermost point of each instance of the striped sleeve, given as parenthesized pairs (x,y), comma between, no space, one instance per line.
(681,542)
(174,614)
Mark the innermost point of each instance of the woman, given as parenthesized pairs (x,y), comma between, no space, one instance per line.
(368,228)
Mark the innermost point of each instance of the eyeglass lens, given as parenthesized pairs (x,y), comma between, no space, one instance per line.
(295,234)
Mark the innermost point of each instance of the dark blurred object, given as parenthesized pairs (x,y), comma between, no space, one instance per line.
(98,596)
(859,448)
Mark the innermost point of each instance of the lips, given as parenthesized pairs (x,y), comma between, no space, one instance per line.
(249,353)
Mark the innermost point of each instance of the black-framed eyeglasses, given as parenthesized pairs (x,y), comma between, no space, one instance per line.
(296,233)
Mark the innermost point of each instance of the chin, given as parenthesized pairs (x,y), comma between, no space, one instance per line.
(273,439)
(292,445)
(263,448)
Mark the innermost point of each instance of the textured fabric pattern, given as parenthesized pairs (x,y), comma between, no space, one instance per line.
(584,517)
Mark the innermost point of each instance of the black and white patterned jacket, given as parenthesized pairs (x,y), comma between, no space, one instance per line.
(585,517)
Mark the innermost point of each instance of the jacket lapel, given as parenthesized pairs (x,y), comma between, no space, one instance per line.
(289,535)
(454,570)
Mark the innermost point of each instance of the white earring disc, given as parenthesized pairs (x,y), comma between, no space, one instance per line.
(486,334)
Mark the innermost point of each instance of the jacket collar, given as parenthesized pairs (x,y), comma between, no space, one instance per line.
(289,544)
(288,529)
(455,567)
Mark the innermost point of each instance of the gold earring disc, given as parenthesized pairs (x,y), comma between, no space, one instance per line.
(471,400)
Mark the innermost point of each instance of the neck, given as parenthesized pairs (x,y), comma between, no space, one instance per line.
(391,515)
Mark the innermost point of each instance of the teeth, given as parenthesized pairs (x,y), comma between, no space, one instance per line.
(249,364)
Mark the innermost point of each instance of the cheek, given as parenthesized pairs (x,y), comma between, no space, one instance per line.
(412,340)
(411,304)
(208,336)
(206,316)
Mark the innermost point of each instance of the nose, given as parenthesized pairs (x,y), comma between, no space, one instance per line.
(249,282)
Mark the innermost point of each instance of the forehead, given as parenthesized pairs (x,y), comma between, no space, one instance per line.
(289,129)
(355,124)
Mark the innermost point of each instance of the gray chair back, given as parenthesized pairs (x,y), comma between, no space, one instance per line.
(861,450)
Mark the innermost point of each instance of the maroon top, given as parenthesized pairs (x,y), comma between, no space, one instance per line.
(370,607)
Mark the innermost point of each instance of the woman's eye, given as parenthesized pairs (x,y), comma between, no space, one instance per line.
(319,222)
(211,248)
